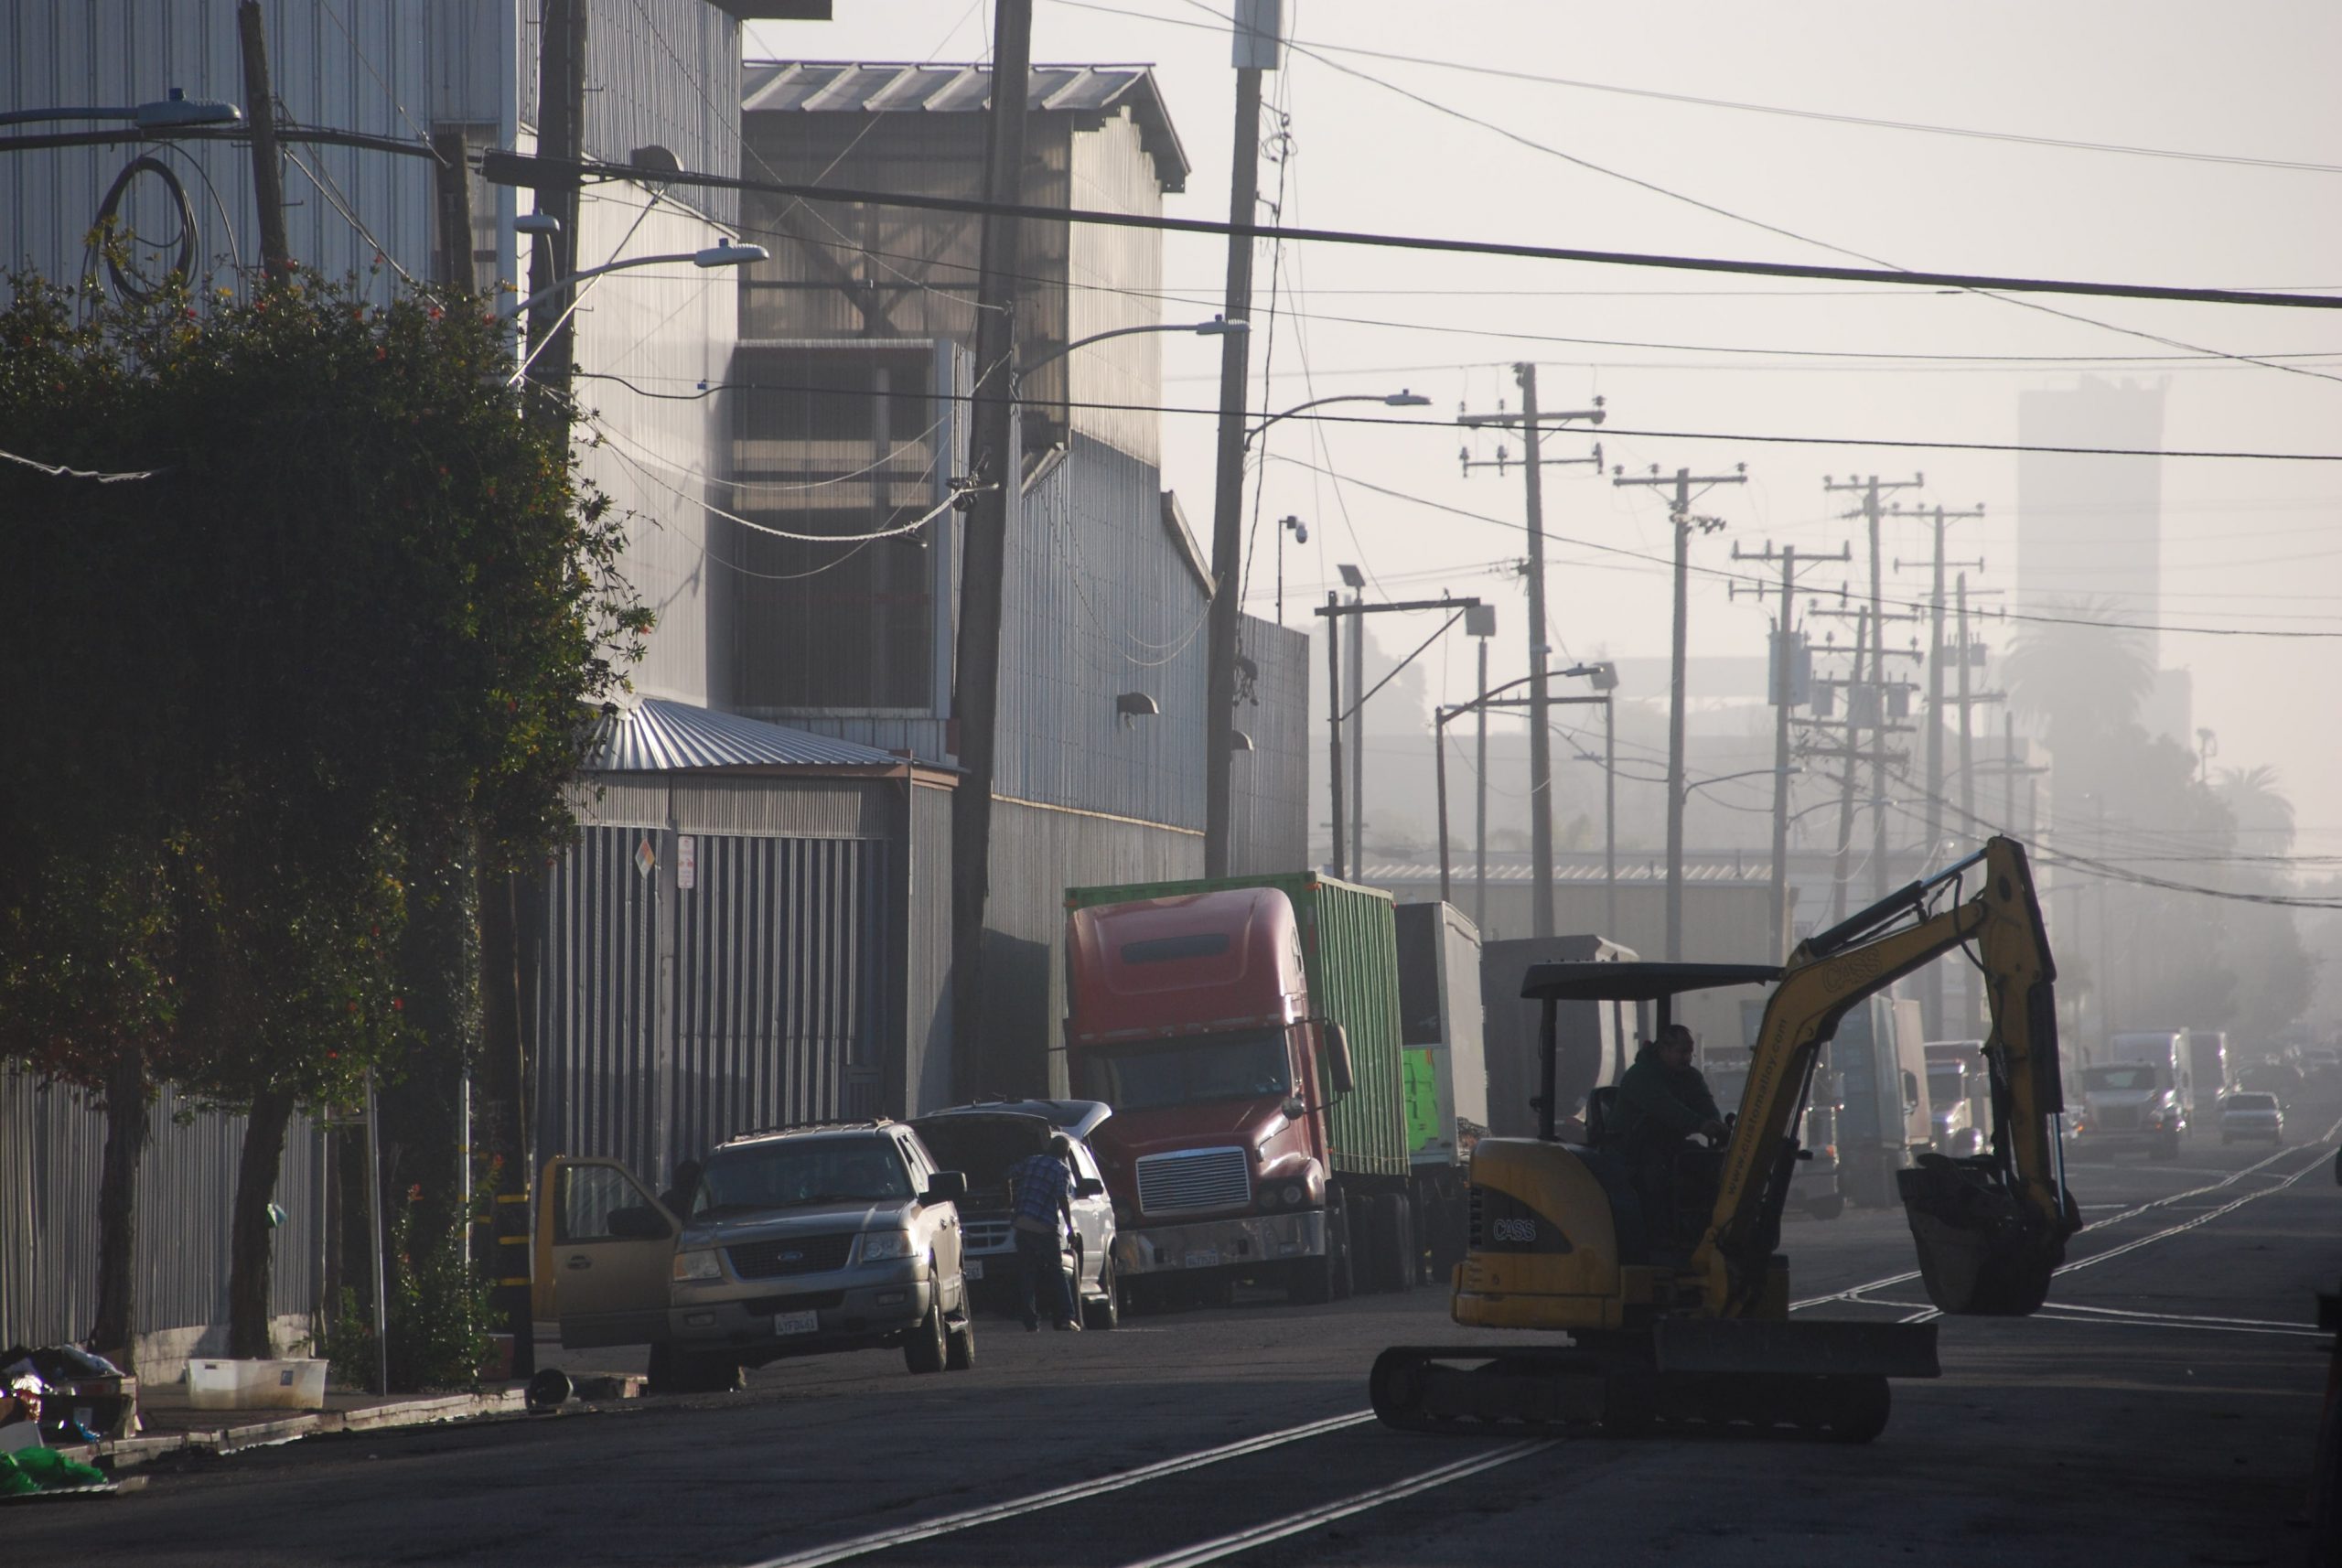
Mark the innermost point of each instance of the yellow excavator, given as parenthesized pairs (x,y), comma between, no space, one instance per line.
(1672,1293)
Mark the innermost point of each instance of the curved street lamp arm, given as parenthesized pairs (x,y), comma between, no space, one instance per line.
(563,286)
(1313,402)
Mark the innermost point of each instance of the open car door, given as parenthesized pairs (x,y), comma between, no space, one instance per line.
(605,1251)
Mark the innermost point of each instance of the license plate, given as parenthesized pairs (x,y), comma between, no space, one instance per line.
(797,1323)
(974,1268)
(1205,1259)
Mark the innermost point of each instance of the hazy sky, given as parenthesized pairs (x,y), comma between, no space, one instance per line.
(2250,546)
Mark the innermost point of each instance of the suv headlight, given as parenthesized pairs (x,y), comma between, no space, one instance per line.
(880,1245)
(699,1265)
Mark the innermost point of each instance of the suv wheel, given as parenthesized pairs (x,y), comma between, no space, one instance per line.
(959,1351)
(926,1349)
(1106,1311)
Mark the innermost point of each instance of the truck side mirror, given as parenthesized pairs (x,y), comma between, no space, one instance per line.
(949,1187)
(1910,1090)
(1337,1058)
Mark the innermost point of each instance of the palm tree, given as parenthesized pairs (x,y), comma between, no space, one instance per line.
(2264,817)
(2082,674)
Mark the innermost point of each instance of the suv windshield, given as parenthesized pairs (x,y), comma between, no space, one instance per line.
(2114,1078)
(1246,1066)
(2250,1103)
(800,1172)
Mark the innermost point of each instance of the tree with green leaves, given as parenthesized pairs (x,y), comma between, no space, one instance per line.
(352,620)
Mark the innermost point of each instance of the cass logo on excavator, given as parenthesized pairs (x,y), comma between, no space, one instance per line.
(1502,1223)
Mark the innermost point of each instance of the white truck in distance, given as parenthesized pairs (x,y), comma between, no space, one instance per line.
(2141,1097)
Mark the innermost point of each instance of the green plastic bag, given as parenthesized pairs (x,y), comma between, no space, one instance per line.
(45,1470)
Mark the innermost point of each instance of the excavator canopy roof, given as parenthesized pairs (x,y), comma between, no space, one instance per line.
(1636,982)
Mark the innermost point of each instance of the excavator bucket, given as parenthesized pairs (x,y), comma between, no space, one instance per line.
(1982,1252)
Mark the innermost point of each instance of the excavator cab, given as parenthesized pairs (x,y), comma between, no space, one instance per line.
(1691,1320)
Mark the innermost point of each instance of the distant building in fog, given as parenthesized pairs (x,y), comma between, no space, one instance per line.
(2089,528)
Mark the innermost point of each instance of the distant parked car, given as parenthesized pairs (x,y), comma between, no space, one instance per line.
(2251,1114)
(983,1141)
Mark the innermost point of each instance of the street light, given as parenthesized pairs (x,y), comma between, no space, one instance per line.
(1218,327)
(1300,532)
(723,254)
(173,114)
(1402,398)
(1604,678)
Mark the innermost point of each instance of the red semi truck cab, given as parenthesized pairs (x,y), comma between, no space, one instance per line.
(1190,1016)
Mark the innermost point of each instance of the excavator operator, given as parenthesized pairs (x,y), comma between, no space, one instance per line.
(1662,1100)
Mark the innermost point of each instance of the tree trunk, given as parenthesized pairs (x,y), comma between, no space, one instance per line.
(250,1251)
(114,1333)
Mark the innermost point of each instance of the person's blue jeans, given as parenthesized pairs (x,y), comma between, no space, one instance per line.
(1039,1260)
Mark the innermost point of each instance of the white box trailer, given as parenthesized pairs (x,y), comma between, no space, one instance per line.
(1443,1067)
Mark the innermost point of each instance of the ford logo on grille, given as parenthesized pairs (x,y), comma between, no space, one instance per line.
(792,1257)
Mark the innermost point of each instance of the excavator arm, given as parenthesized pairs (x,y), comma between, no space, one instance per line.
(1989,1229)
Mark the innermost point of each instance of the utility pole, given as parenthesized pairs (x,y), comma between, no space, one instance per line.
(268,171)
(1258,37)
(561,113)
(1531,421)
(1789,653)
(1871,488)
(1481,625)
(1851,755)
(1332,612)
(1680,515)
(1356,581)
(451,190)
(1931,995)
(994,474)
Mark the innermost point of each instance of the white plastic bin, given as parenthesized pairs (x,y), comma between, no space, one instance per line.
(256,1385)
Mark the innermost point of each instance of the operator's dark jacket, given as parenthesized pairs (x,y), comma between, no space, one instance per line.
(1659,1105)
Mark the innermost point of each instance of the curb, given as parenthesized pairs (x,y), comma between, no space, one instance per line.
(128,1451)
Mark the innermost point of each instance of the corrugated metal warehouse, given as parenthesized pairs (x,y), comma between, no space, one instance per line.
(850,372)
(751,930)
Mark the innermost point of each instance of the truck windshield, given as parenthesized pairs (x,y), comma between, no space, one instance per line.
(2118,1078)
(1141,1077)
(1945,1083)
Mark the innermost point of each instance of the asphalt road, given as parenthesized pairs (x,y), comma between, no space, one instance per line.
(2160,1411)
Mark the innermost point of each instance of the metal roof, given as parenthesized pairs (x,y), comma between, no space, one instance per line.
(844,86)
(660,736)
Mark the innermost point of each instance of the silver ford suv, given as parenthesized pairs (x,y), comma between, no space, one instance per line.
(818,1239)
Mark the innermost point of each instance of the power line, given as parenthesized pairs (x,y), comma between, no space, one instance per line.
(1969,132)
(2182,356)
(1607,430)
(505,167)
(1740,577)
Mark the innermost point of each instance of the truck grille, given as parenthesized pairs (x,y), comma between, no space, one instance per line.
(2117,1119)
(984,1235)
(792,1255)
(1194,1179)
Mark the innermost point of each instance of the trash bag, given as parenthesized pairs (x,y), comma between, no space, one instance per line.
(44,1470)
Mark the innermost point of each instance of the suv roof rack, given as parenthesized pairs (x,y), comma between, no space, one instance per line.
(871,1125)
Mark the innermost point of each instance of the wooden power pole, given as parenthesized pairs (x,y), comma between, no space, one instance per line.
(975,699)
(1258,37)
(1680,515)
